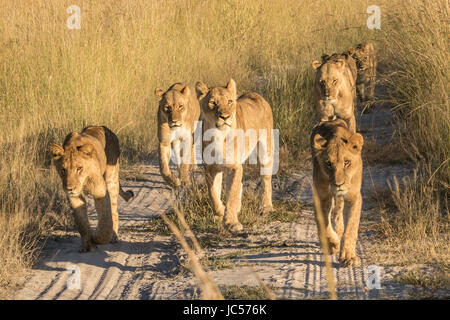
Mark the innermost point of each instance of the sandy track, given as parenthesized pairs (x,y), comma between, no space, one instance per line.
(144,265)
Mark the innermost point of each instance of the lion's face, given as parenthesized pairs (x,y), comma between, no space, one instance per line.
(219,104)
(74,164)
(173,106)
(338,152)
(362,55)
(329,77)
(362,59)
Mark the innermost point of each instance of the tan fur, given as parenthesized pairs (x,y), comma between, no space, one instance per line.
(178,110)
(337,177)
(334,88)
(222,110)
(88,164)
(366,63)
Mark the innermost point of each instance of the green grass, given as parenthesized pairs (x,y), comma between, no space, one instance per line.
(244,293)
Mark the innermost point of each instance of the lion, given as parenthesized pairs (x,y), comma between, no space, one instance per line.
(337,178)
(228,118)
(334,89)
(366,63)
(178,112)
(88,164)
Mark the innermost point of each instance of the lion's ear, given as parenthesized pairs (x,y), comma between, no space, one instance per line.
(86,149)
(340,63)
(231,87)
(159,93)
(324,57)
(319,142)
(356,142)
(201,89)
(351,51)
(367,46)
(316,64)
(186,92)
(56,151)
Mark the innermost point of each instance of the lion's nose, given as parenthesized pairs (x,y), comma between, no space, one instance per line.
(337,184)
(224,117)
(70,187)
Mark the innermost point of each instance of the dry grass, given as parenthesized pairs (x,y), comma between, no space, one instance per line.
(415,229)
(419,278)
(415,45)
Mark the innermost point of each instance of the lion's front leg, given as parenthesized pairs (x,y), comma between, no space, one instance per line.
(78,205)
(102,201)
(214,183)
(113,186)
(338,216)
(233,196)
(348,255)
(266,184)
(186,161)
(164,160)
(323,210)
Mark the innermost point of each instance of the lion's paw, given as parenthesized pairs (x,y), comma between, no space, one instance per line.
(234,226)
(89,248)
(115,238)
(349,259)
(266,209)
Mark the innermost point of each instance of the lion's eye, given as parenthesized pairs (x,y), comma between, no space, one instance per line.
(79,169)
(328,163)
(322,83)
(63,171)
(167,109)
(347,163)
(181,107)
(334,81)
(230,102)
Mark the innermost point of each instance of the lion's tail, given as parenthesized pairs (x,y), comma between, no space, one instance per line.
(126,195)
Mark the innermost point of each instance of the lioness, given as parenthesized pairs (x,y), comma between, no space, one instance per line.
(178,110)
(337,177)
(88,164)
(366,63)
(334,89)
(225,117)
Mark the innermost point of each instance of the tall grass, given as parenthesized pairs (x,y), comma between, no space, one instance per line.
(416,47)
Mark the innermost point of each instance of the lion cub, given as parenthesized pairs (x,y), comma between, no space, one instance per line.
(366,63)
(88,164)
(334,89)
(177,113)
(232,129)
(337,177)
